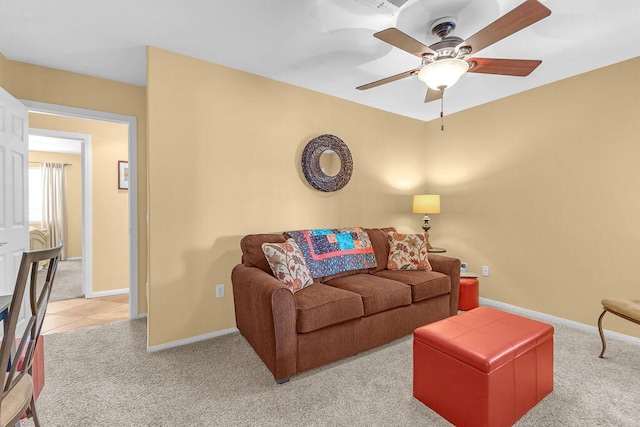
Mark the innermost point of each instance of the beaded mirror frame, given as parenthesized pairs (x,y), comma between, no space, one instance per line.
(311,163)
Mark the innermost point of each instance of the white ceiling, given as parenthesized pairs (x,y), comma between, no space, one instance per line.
(54,145)
(323,45)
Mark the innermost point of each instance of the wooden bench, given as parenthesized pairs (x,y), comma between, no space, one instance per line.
(628,309)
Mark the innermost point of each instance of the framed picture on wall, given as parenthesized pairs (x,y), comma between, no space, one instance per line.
(123,175)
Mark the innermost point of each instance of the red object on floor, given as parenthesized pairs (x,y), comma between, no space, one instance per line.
(37,368)
(469,293)
(483,367)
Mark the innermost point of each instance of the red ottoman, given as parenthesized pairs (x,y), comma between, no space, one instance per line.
(469,293)
(483,367)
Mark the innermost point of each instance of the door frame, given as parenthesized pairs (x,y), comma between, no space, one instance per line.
(131,122)
(87,219)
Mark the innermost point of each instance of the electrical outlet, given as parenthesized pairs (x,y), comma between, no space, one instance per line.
(485,270)
(219,291)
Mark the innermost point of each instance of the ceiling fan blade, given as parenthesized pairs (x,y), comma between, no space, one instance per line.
(388,79)
(432,95)
(397,38)
(505,67)
(529,12)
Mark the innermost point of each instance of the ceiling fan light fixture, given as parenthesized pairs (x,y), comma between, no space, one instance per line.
(443,73)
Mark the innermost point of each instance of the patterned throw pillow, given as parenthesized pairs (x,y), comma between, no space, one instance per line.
(408,252)
(287,263)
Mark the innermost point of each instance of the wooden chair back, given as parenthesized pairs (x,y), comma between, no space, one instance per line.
(12,350)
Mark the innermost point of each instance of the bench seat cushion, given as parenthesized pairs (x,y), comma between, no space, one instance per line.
(320,305)
(424,284)
(378,294)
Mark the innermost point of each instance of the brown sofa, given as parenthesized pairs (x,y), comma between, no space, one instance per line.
(340,315)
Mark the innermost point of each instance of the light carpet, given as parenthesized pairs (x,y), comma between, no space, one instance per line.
(67,283)
(103,376)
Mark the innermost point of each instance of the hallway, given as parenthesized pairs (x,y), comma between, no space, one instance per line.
(80,313)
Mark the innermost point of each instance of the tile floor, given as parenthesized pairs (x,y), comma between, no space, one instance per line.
(79,313)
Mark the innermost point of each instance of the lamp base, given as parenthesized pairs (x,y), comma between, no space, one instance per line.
(430,248)
(426,228)
(426,225)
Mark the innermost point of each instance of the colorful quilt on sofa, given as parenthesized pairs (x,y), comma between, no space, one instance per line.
(332,251)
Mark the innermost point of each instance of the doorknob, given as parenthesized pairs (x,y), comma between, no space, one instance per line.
(4,243)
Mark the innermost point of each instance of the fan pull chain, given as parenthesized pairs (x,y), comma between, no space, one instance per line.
(442,110)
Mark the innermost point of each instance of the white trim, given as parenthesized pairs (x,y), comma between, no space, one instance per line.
(74,258)
(87,237)
(179,343)
(550,318)
(108,293)
(87,220)
(131,121)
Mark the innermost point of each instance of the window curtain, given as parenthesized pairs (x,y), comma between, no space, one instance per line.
(54,216)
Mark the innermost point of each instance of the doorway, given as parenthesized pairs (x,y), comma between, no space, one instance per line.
(87,253)
(71,150)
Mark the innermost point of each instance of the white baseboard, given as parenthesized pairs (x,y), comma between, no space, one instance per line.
(178,343)
(74,258)
(107,293)
(550,318)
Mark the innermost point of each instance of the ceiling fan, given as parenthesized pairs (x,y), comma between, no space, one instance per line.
(443,63)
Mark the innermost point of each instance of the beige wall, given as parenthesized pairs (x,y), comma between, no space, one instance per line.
(110,224)
(538,186)
(48,85)
(224,154)
(518,178)
(73,195)
(3,61)
(543,188)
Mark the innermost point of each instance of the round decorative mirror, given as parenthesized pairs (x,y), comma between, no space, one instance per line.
(326,163)
(330,163)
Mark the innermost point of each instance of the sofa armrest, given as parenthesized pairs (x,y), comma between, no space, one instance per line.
(450,267)
(266,316)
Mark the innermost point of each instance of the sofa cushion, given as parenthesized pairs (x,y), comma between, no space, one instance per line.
(408,252)
(424,283)
(380,244)
(325,279)
(287,263)
(319,305)
(252,254)
(378,294)
(331,251)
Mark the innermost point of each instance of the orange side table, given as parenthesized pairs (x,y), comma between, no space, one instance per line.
(469,293)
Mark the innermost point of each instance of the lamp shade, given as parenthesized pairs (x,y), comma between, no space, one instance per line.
(426,203)
(443,73)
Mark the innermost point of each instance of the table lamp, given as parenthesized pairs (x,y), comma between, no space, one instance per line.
(426,204)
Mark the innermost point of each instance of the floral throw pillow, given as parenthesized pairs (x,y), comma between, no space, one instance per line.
(287,263)
(408,252)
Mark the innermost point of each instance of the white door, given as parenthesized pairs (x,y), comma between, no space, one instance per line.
(14,221)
